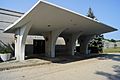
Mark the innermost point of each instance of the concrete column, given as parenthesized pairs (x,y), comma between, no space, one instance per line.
(71,42)
(50,41)
(16,45)
(84,40)
(21,35)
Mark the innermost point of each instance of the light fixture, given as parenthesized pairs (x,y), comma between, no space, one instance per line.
(49,25)
(74,24)
(15,37)
(71,20)
(46,38)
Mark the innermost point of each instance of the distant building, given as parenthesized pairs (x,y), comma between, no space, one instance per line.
(7,17)
(108,44)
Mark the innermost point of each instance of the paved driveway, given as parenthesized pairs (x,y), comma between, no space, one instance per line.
(103,68)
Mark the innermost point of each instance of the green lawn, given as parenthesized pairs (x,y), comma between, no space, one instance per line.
(112,50)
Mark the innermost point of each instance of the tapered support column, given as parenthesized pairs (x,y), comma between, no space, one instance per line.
(71,42)
(50,41)
(20,39)
(84,40)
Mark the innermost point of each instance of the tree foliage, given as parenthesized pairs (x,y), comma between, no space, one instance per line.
(90,14)
(96,44)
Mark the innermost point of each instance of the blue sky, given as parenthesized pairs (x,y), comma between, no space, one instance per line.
(106,11)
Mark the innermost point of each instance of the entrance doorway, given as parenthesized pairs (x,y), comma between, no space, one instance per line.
(38,46)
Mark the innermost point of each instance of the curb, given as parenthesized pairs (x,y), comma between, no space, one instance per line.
(21,66)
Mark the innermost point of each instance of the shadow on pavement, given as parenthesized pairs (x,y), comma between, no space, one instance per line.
(115,57)
(66,58)
(111,76)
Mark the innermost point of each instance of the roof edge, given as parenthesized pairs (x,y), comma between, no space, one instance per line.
(5,30)
(49,3)
(60,7)
(11,10)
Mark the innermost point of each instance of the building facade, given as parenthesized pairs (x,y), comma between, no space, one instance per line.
(51,22)
(8,17)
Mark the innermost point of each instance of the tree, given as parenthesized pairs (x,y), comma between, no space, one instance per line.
(90,14)
(112,40)
(96,44)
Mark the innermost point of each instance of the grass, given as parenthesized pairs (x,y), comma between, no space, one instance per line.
(112,50)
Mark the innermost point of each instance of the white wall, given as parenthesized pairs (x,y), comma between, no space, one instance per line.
(108,44)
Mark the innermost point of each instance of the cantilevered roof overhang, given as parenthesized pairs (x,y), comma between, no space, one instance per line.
(46,16)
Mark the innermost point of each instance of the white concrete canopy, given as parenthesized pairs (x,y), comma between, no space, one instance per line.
(46,16)
(52,21)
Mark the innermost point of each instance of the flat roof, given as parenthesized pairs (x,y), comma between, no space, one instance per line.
(46,16)
(8,17)
(11,10)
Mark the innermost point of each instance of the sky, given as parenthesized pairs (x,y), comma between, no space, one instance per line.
(106,11)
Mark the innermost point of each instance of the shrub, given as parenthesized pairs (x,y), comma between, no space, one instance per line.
(6,48)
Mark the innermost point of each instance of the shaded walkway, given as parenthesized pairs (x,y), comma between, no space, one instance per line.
(35,61)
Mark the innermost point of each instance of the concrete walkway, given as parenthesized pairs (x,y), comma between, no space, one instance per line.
(106,67)
(43,60)
(15,64)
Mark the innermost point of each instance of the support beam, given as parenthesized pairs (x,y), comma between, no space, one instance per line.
(21,35)
(50,41)
(70,41)
(83,41)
